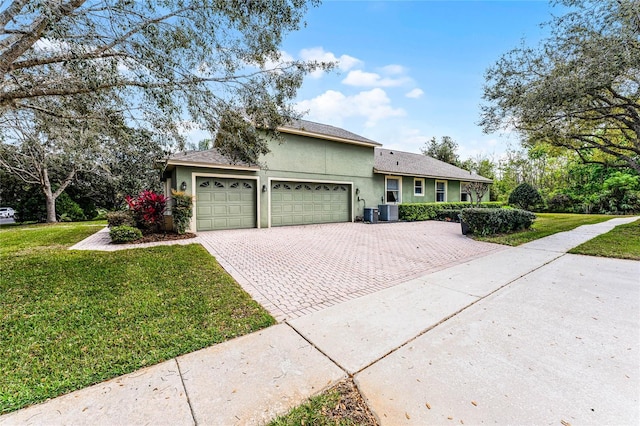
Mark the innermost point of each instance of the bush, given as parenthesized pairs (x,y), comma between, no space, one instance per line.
(525,196)
(429,211)
(119,218)
(69,210)
(449,215)
(148,208)
(496,221)
(181,211)
(124,234)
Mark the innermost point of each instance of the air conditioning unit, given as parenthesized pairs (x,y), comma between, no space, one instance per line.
(388,212)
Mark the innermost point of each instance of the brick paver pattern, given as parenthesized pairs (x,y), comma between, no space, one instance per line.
(293,271)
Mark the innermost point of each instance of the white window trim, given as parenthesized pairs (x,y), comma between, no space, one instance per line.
(195,175)
(446,190)
(462,184)
(285,179)
(421,180)
(399,178)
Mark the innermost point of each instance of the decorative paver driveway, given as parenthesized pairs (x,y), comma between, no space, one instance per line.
(296,270)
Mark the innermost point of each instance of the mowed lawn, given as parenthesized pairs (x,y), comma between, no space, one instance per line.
(622,242)
(69,319)
(546,224)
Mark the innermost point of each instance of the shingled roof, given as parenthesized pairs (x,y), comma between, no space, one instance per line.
(390,161)
(324,131)
(208,158)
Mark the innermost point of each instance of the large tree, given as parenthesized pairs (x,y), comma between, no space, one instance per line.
(579,89)
(48,151)
(446,150)
(177,62)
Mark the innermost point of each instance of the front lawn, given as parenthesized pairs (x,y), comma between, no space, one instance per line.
(546,224)
(69,319)
(622,242)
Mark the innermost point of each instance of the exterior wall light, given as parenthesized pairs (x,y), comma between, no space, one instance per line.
(264,188)
(183,186)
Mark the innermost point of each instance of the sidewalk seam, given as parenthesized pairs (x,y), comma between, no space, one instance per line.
(186,393)
(318,349)
(425,331)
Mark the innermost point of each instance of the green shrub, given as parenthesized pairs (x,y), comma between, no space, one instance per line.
(119,218)
(525,196)
(68,209)
(181,211)
(449,215)
(429,211)
(124,234)
(496,221)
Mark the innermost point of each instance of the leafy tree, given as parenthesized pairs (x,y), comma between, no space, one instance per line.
(170,60)
(48,151)
(580,89)
(525,196)
(445,150)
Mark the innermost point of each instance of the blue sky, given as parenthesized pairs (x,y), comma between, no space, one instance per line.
(410,70)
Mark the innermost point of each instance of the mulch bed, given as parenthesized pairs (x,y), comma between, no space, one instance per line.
(162,236)
(351,406)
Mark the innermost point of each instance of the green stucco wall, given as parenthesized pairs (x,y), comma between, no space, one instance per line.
(306,158)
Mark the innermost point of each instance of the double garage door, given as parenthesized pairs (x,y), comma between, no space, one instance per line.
(227,203)
(302,203)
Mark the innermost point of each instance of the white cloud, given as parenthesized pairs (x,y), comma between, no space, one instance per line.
(283,58)
(370,79)
(393,69)
(415,93)
(345,62)
(332,107)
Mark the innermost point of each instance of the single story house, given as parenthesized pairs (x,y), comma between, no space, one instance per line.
(318,174)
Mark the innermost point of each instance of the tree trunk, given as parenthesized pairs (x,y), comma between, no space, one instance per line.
(49,197)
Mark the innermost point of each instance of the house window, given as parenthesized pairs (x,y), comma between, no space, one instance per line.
(441,191)
(464,193)
(418,187)
(392,190)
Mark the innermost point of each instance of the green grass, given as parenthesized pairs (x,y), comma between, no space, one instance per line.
(69,319)
(622,242)
(546,224)
(312,412)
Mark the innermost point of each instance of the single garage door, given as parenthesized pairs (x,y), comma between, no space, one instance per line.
(225,203)
(302,203)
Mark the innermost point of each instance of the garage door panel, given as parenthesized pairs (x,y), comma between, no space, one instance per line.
(299,203)
(225,203)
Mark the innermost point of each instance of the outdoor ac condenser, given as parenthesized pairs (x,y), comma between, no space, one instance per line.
(388,212)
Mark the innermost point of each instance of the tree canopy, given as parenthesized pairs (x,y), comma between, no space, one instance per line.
(579,89)
(445,150)
(178,63)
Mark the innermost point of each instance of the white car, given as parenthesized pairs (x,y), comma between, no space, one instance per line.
(7,212)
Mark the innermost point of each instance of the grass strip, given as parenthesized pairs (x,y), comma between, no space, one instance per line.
(546,224)
(622,242)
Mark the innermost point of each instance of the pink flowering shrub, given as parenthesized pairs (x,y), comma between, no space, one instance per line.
(148,208)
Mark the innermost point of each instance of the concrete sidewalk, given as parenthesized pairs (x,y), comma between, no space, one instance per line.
(523,335)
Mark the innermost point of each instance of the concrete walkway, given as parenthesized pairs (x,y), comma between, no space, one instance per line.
(526,335)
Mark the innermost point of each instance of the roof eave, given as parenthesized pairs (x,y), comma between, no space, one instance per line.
(393,172)
(172,162)
(327,137)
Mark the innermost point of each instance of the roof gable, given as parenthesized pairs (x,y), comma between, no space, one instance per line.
(406,163)
(325,131)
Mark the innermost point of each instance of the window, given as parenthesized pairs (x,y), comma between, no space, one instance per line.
(464,194)
(441,191)
(393,190)
(418,187)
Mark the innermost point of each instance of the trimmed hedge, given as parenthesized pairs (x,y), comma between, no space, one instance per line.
(120,218)
(124,234)
(449,215)
(496,221)
(429,211)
